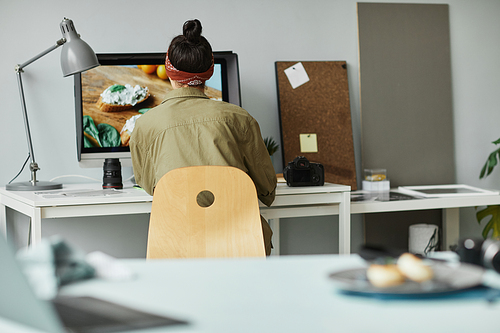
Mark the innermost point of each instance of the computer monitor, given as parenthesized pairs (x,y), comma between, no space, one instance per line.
(102,132)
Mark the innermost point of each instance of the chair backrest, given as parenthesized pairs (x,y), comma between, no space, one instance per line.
(181,226)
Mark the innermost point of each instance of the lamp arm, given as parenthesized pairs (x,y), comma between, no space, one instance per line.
(60,42)
(19,70)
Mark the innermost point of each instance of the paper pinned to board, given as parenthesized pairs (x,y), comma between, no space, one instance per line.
(296,75)
(308,143)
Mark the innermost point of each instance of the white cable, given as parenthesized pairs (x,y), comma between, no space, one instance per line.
(129,178)
(97,180)
(65,176)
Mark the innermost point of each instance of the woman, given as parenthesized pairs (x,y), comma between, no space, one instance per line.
(190,129)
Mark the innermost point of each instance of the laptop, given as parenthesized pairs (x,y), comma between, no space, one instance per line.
(18,303)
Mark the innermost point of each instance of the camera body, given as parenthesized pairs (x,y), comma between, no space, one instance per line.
(480,252)
(301,172)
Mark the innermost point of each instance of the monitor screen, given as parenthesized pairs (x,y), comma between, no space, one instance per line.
(109,98)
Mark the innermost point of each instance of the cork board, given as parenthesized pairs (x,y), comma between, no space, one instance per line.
(319,107)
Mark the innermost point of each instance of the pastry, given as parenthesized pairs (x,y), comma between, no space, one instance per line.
(383,276)
(121,97)
(414,268)
(127,129)
(408,266)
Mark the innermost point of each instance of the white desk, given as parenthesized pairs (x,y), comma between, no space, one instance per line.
(329,199)
(450,207)
(38,207)
(280,294)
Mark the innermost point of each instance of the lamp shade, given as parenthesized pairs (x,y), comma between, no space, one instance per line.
(76,56)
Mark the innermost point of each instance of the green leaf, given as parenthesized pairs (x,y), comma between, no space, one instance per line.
(105,134)
(143,111)
(483,170)
(493,225)
(491,162)
(271,145)
(108,135)
(90,128)
(116,87)
(87,143)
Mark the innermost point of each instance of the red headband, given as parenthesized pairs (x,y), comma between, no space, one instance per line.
(191,79)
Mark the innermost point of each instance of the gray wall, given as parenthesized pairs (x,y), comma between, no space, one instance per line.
(261,32)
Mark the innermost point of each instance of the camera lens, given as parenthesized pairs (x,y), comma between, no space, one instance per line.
(112,176)
(491,254)
(495,262)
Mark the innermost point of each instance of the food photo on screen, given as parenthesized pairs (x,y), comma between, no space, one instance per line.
(114,97)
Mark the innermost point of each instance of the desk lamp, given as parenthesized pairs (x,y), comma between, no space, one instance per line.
(76,56)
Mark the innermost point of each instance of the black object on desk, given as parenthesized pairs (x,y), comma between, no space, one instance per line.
(88,314)
(301,172)
(112,173)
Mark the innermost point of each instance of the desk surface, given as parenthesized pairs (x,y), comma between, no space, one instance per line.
(92,193)
(88,194)
(83,200)
(285,294)
(72,194)
(358,207)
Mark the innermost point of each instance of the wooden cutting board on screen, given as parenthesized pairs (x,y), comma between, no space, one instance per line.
(95,81)
(318,110)
(100,78)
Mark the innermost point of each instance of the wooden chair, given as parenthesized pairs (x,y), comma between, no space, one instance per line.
(229,227)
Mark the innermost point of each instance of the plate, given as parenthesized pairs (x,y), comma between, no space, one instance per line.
(447,278)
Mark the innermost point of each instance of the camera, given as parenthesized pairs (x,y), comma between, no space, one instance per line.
(485,253)
(112,173)
(301,172)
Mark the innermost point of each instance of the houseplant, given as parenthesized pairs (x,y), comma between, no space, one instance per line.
(271,145)
(493,225)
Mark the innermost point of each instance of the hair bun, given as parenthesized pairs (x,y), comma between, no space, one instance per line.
(192,31)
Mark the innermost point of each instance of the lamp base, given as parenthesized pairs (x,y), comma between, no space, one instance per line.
(29,186)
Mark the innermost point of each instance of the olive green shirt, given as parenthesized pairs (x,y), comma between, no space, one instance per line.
(190,129)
